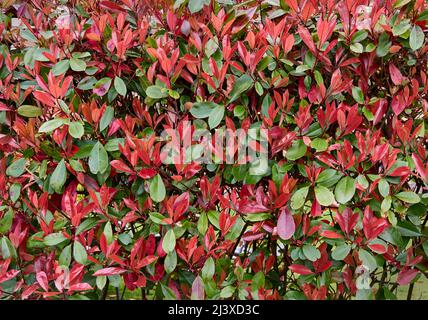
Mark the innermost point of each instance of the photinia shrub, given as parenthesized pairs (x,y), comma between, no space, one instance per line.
(114,179)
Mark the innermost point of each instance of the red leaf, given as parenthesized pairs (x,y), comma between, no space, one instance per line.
(146,173)
(400,171)
(4,107)
(300,269)
(42,279)
(331,234)
(396,75)
(119,165)
(306,37)
(146,261)
(423,171)
(347,220)
(80,287)
(406,276)
(109,271)
(378,248)
(286,226)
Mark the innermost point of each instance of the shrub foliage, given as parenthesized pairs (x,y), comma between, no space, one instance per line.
(338,211)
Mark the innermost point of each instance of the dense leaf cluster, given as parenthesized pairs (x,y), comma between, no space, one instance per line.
(88,204)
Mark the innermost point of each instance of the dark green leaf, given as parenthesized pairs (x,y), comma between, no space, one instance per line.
(98,159)
(241,85)
(58,177)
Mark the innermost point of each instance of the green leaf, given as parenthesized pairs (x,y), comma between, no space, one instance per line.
(156,92)
(408,229)
(255,217)
(16,168)
(168,242)
(202,223)
(299,197)
(29,111)
(356,47)
(400,28)
(417,37)
(195,5)
(209,268)
(358,95)
(6,221)
(79,253)
(359,36)
(324,196)
(98,159)
(54,238)
(15,192)
(408,196)
(386,204)
(258,281)
(368,260)
(216,116)
(6,248)
(341,252)
(106,118)
(173,94)
(76,130)
(170,262)
(383,45)
(311,252)
(77,64)
(383,187)
(423,17)
(203,109)
(60,67)
(227,292)
(157,189)
(425,247)
(86,225)
(345,190)
(319,144)
(108,232)
(328,178)
(58,177)
(296,151)
(168,293)
(65,256)
(259,88)
(157,218)
(241,85)
(400,3)
(87,83)
(113,144)
(101,282)
(51,125)
(362,181)
(120,86)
